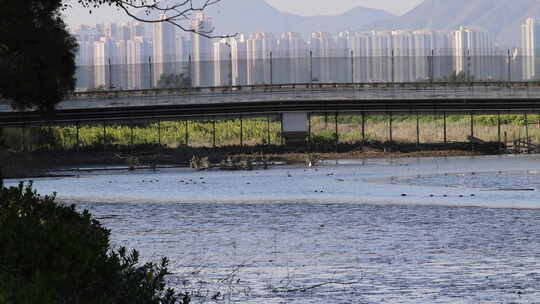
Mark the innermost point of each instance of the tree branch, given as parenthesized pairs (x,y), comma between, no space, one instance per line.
(177,13)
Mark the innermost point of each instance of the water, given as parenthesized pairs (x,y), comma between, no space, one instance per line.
(503,180)
(381,231)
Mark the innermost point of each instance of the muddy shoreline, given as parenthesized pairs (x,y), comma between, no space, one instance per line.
(34,164)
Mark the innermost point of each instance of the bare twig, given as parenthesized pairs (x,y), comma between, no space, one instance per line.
(179,13)
(206,289)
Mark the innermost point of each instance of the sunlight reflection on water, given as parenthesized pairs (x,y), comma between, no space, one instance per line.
(312,234)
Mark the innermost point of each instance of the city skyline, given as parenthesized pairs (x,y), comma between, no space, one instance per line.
(399,55)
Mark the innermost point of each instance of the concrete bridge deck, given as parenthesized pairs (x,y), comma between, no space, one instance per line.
(263,100)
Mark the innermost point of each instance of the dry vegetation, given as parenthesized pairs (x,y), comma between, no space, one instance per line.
(431,128)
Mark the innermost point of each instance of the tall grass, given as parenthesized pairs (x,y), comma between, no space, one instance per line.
(176,134)
(172,134)
(431,128)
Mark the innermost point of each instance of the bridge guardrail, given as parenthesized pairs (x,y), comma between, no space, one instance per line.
(303,86)
(305,91)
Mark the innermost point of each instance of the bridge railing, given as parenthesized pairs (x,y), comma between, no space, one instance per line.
(309,87)
(306,91)
(302,91)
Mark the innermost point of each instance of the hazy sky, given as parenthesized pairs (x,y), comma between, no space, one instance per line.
(78,15)
(333,7)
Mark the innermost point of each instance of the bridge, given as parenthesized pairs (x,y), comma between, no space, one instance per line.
(292,103)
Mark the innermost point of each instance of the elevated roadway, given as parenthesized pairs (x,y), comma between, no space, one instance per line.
(265,100)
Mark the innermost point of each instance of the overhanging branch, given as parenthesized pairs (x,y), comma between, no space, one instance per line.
(179,13)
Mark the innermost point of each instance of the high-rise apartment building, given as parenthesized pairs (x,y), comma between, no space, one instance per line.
(403,56)
(343,41)
(113,31)
(433,54)
(381,60)
(104,50)
(239,59)
(139,73)
(134,49)
(530,45)
(289,60)
(131,30)
(322,48)
(86,33)
(202,66)
(473,53)
(341,60)
(164,49)
(85,65)
(361,47)
(259,47)
(119,65)
(223,67)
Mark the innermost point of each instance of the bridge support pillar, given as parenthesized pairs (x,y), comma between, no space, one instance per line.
(241,132)
(268,138)
(104,141)
(363,128)
(131,135)
(309,126)
(186,139)
(390,129)
(499,131)
(295,128)
(336,128)
(472,132)
(417,129)
(527,140)
(77,140)
(214,133)
(159,133)
(24,148)
(445,135)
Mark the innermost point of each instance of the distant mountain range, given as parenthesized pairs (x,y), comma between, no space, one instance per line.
(502,18)
(248,16)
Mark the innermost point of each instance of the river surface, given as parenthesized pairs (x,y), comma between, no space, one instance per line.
(432,230)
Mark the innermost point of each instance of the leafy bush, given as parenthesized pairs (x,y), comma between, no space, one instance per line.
(174,81)
(324,141)
(51,253)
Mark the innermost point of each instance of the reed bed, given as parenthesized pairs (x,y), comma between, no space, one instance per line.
(431,128)
(261,131)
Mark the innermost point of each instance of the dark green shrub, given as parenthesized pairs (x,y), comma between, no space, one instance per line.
(50,253)
(323,141)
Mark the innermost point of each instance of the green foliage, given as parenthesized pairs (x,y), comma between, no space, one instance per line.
(323,141)
(46,137)
(173,81)
(50,253)
(458,77)
(173,134)
(200,133)
(484,120)
(37,54)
